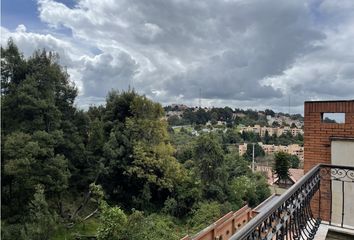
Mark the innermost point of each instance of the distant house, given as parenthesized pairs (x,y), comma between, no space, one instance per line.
(293,149)
(294,176)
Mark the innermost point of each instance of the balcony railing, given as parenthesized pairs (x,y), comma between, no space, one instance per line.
(319,197)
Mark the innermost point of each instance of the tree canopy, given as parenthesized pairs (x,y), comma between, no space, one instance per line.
(116,165)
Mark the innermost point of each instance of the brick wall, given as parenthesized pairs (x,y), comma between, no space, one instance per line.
(225,227)
(318,135)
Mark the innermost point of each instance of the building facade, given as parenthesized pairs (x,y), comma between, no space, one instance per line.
(278,131)
(331,143)
(293,149)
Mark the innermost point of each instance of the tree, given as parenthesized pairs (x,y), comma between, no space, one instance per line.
(300,139)
(266,137)
(285,139)
(328,120)
(258,152)
(41,221)
(13,68)
(94,150)
(138,155)
(232,136)
(275,124)
(269,112)
(252,189)
(153,226)
(235,166)
(208,155)
(31,160)
(113,223)
(281,166)
(204,214)
(43,134)
(39,97)
(294,161)
(184,196)
(174,121)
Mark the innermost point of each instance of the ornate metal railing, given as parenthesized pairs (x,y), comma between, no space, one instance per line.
(298,213)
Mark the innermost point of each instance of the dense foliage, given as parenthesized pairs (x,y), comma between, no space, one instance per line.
(233,117)
(282,165)
(114,166)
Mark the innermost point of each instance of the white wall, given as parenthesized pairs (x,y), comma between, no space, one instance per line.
(342,153)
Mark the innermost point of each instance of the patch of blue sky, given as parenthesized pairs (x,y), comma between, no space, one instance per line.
(95,50)
(315,10)
(16,12)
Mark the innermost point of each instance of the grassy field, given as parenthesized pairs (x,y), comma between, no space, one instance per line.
(87,228)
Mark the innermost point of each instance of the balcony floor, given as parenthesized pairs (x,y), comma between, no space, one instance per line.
(326,232)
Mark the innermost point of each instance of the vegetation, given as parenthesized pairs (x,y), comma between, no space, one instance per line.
(232,117)
(258,152)
(115,171)
(281,166)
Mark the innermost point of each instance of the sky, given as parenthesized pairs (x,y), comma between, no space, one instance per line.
(240,53)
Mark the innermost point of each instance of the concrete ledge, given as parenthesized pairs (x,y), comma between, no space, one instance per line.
(325,228)
(321,232)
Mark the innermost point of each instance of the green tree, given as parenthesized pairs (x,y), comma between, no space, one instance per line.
(41,222)
(138,155)
(300,139)
(94,148)
(232,136)
(275,124)
(258,152)
(43,134)
(294,161)
(251,190)
(209,158)
(39,97)
(113,223)
(235,166)
(266,137)
(205,214)
(154,227)
(281,166)
(285,139)
(13,68)
(269,112)
(31,160)
(184,197)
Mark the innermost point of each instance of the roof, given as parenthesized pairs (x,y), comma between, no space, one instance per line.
(324,101)
(295,174)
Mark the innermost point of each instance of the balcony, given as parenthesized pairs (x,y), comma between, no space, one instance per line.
(319,206)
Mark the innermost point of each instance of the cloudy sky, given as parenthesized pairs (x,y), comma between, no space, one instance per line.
(240,53)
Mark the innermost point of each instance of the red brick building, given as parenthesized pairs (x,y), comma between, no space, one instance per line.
(319,135)
(328,142)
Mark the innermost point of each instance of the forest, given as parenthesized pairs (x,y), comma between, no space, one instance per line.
(113,171)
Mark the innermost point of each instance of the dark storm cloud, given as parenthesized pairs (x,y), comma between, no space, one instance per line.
(235,51)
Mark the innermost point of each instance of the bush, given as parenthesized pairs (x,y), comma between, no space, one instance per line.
(205,214)
(113,223)
(152,227)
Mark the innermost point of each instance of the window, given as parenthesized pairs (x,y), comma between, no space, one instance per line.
(333,117)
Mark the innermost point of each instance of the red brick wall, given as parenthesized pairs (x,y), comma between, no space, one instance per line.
(317,135)
(225,227)
(317,140)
